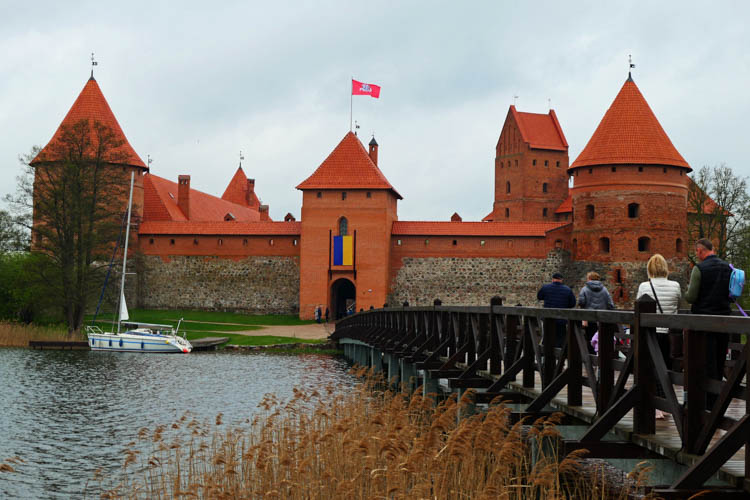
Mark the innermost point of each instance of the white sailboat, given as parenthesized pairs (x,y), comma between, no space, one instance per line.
(138,337)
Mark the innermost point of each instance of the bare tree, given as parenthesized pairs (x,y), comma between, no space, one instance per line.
(72,196)
(718,208)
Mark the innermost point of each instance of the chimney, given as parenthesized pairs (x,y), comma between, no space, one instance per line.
(183,194)
(374,150)
(455,217)
(263,209)
(250,191)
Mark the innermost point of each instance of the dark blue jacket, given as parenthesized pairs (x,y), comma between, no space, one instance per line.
(557,296)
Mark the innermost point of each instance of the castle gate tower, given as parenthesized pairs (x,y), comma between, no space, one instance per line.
(630,187)
(348,209)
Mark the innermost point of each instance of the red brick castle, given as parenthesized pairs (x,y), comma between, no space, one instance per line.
(627,200)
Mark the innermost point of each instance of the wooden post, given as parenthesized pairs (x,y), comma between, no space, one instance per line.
(511,341)
(528,355)
(694,370)
(606,370)
(575,365)
(549,336)
(496,355)
(644,416)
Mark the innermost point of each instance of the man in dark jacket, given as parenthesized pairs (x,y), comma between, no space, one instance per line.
(708,292)
(557,296)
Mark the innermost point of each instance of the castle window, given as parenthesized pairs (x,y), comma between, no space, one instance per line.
(150,241)
(557,164)
(426,242)
(544,187)
(369,194)
(516,162)
(294,242)
(604,245)
(591,170)
(507,212)
(507,187)
(481,243)
(343,226)
(455,242)
(644,242)
(398,242)
(501,165)
(171,241)
(589,212)
(633,210)
(678,245)
(533,162)
(681,172)
(544,212)
(546,163)
(614,169)
(558,244)
(665,170)
(618,275)
(195,241)
(320,194)
(640,169)
(244,242)
(270,242)
(220,242)
(343,195)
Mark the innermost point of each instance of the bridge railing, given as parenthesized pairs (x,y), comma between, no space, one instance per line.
(489,347)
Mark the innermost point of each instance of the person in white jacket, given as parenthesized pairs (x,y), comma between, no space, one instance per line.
(667,294)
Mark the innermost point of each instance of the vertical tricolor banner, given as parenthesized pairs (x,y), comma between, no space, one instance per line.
(343,251)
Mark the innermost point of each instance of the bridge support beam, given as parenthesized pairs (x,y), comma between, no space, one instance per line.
(429,385)
(408,374)
(376,360)
(393,369)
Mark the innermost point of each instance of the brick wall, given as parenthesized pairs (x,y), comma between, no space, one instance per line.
(258,285)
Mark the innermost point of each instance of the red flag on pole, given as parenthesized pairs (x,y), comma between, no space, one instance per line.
(359,88)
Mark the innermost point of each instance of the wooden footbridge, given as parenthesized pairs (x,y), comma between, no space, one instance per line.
(611,396)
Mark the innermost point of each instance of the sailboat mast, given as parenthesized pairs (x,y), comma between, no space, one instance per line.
(125,250)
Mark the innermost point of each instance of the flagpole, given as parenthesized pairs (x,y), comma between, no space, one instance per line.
(351,101)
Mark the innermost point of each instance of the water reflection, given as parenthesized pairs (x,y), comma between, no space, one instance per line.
(69,413)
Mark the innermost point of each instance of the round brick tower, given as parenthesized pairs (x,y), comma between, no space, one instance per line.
(630,187)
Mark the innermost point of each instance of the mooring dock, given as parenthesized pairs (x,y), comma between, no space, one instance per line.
(609,399)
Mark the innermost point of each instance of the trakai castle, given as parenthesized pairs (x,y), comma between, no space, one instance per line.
(628,200)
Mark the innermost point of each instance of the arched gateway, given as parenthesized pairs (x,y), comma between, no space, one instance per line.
(343,295)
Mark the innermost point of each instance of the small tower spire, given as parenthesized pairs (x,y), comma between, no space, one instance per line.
(93,63)
(630,66)
(241,158)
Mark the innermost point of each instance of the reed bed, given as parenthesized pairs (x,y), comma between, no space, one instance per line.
(369,443)
(19,334)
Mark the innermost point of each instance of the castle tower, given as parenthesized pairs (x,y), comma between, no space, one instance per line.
(348,209)
(91,106)
(531,161)
(630,187)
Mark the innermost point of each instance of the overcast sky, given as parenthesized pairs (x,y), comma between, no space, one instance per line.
(193,83)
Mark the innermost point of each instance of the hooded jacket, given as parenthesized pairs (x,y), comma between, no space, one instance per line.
(595,296)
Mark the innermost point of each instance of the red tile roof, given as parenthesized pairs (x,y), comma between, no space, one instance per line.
(629,133)
(489,217)
(236,191)
(566,206)
(418,228)
(160,204)
(540,131)
(220,228)
(92,106)
(709,205)
(348,167)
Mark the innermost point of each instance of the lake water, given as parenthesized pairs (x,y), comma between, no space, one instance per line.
(69,413)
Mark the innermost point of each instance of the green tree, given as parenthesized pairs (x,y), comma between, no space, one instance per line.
(71,196)
(13,237)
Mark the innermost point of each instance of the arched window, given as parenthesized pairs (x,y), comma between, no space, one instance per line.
(604,245)
(343,226)
(544,212)
(633,210)
(589,212)
(544,187)
(507,187)
(678,245)
(507,212)
(643,243)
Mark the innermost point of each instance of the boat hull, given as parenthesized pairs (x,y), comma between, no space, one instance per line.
(125,342)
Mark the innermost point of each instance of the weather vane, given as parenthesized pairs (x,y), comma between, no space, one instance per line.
(149,160)
(356,127)
(630,64)
(93,63)
(241,157)
(514,99)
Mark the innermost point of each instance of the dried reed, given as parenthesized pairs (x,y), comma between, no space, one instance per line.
(368,443)
(19,335)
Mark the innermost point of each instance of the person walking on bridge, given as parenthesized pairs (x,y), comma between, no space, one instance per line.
(556,295)
(708,292)
(594,295)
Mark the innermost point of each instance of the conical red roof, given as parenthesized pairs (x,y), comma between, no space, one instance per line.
(348,167)
(629,133)
(236,191)
(91,105)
